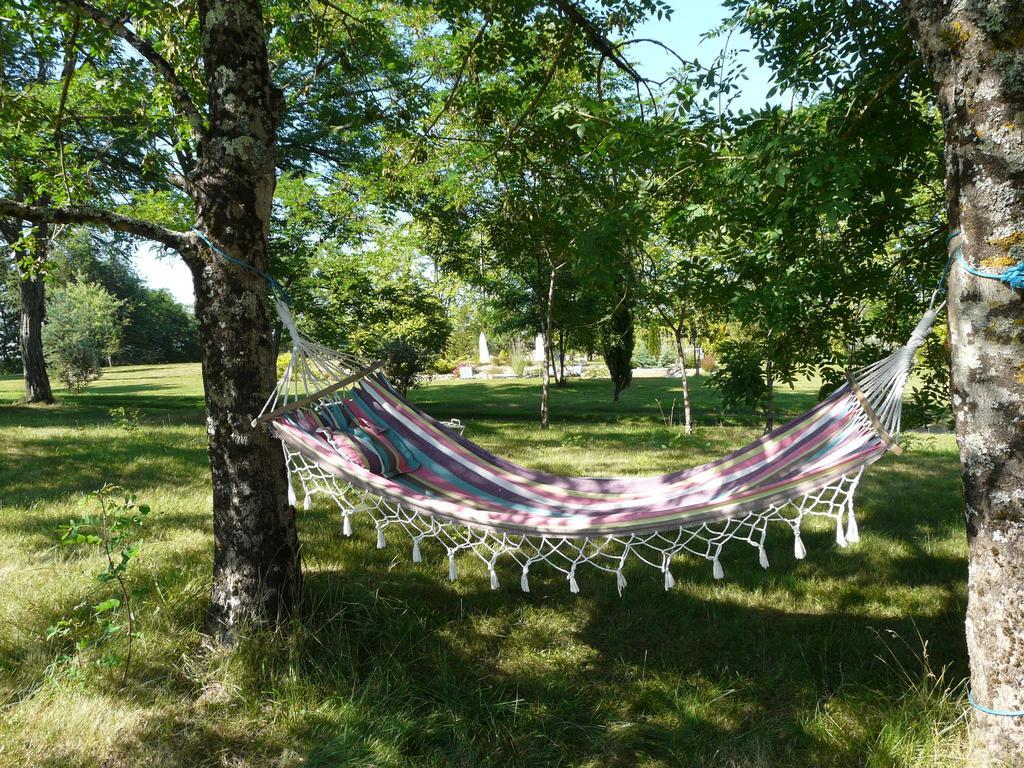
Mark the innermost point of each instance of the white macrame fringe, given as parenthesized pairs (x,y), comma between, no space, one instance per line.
(852,531)
(841,534)
(610,554)
(799,550)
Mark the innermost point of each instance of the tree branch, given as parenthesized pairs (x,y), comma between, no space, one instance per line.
(597,38)
(183,242)
(179,94)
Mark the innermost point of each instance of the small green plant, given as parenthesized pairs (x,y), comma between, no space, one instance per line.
(93,625)
(124,418)
(517,357)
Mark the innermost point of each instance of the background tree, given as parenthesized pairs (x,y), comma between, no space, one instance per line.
(82,332)
(972,58)
(234,92)
(155,327)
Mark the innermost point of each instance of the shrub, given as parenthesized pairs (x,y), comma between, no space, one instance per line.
(282,362)
(708,363)
(83,329)
(442,366)
(668,357)
(517,357)
(741,380)
(403,364)
(642,358)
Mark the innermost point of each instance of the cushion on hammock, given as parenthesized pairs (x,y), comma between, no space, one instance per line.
(346,444)
(305,420)
(380,450)
(334,416)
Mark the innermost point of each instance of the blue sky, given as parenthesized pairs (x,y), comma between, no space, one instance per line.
(683,32)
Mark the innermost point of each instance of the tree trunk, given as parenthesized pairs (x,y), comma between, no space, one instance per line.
(545,395)
(33,310)
(561,358)
(680,353)
(697,355)
(256,572)
(769,420)
(975,57)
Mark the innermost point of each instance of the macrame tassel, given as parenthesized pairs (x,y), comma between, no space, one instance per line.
(573,586)
(307,502)
(799,551)
(717,570)
(380,539)
(452,574)
(852,531)
(524,580)
(670,580)
(494,579)
(620,582)
(292,498)
(762,557)
(840,534)
(346,524)
(416,556)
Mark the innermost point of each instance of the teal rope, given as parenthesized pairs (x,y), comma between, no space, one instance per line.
(1013,276)
(987,711)
(275,286)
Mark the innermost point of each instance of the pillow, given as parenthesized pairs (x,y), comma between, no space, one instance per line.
(306,420)
(334,416)
(379,450)
(346,445)
(395,457)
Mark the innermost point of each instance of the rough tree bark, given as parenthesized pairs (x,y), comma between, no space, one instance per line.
(975,55)
(33,309)
(256,572)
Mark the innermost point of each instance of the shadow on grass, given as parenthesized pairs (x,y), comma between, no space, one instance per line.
(388,665)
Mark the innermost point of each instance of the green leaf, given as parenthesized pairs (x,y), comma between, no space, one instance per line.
(106,606)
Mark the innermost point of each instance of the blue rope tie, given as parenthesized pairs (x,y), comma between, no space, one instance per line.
(275,286)
(987,711)
(1012,276)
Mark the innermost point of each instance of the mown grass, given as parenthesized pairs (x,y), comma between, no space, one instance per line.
(847,658)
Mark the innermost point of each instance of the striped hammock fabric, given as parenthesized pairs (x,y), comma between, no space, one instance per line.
(459,481)
(371,451)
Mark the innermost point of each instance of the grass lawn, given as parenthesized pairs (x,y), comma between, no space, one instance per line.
(848,658)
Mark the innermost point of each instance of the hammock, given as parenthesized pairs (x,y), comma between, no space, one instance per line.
(349,435)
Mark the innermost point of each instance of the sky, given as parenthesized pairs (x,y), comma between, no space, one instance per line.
(682,32)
